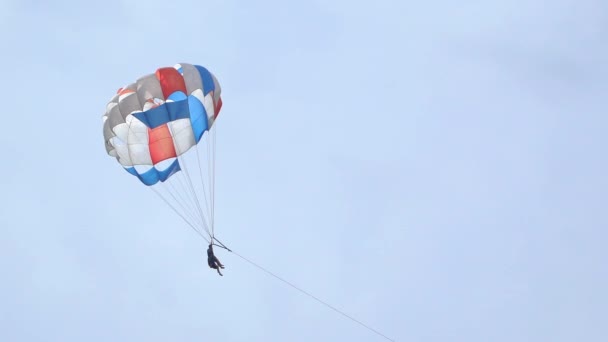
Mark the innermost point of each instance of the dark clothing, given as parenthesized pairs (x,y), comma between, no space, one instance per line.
(211,258)
(213,261)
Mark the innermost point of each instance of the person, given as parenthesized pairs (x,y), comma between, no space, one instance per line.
(213,261)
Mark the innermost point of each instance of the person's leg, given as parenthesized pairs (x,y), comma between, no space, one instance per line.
(217,261)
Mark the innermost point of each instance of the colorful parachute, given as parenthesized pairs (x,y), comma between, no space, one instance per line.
(151,124)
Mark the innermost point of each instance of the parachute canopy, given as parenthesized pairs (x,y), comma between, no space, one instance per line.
(148,124)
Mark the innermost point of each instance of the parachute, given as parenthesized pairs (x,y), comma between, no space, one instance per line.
(161,130)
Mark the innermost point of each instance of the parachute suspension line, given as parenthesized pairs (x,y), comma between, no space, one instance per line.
(179,187)
(213,181)
(190,199)
(209,133)
(186,212)
(180,215)
(200,169)
(184,196)
(312,296)
(211,175)
(185,168)
(165,191)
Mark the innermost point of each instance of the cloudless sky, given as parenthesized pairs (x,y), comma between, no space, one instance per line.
(438,170)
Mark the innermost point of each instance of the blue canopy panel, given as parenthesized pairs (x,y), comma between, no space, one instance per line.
(154,175)
(198,117)
(207,79)
(168,111)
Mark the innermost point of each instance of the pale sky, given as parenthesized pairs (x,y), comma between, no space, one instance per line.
(437,170)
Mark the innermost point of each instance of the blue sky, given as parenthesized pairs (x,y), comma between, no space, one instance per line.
(437,170)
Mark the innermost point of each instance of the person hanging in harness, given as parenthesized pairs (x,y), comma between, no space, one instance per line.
(213,261)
